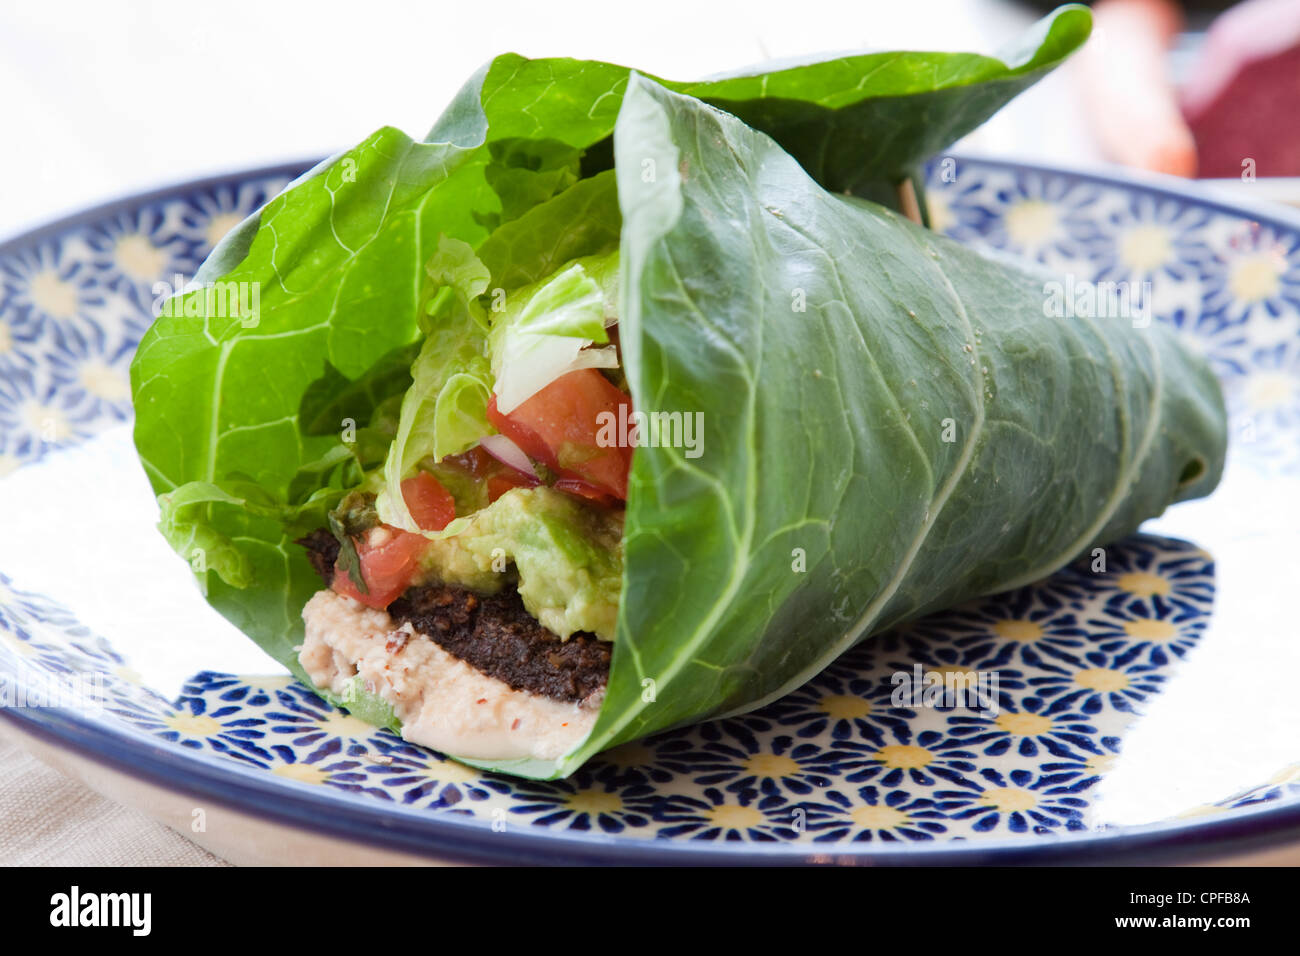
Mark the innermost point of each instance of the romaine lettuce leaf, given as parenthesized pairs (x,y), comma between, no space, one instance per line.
(581,221)
(444,411)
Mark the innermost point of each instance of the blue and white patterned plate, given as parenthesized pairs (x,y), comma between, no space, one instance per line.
(1143,712)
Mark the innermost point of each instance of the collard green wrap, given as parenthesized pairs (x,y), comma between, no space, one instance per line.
(891,422)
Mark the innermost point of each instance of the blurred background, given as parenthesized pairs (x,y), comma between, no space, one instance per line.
(106,99)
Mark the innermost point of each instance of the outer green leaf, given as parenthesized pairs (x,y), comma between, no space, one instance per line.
(825,428)
(858,123)
(861,124)
(333,401)
(525,172)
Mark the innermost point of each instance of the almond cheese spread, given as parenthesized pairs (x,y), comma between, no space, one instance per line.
(442,702)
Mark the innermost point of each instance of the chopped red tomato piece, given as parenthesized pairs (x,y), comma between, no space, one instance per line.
(576,486)
(507,480)
(431,505)
(560,425)
(499,476)
(475,462)
(389,558)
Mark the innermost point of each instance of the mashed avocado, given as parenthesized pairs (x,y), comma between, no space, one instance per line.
(565,556)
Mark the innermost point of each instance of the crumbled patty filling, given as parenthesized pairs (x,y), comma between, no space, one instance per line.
(493,633)
(322,551)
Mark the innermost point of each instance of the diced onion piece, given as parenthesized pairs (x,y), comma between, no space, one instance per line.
(508,453)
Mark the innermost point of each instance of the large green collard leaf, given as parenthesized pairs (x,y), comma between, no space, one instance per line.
(833,349)
(885,113)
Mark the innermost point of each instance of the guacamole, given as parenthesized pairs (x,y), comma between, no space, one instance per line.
(565,557)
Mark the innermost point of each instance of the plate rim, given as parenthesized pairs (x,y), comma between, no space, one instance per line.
(459,839)
(45,229)
(455,838)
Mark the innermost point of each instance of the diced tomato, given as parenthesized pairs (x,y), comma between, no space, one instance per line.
(389,558)
(507,479)
(431,505)
(559,426)
(498,476)
(475,462)
(576,486)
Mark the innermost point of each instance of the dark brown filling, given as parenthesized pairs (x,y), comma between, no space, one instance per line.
(322,551)
(493,633)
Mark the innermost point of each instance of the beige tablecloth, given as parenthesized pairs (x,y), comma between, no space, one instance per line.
(47,819)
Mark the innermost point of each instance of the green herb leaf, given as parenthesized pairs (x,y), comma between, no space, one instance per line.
(348,559)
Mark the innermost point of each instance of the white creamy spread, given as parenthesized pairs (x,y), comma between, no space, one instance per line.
(442,702)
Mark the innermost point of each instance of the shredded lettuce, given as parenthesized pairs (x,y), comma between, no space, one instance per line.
(548,336)
(541,332)
(444,411)
(459,278)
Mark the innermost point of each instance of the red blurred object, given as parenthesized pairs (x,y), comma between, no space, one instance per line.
(575,486)
(390,556)
(508,480)
(1242,98)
